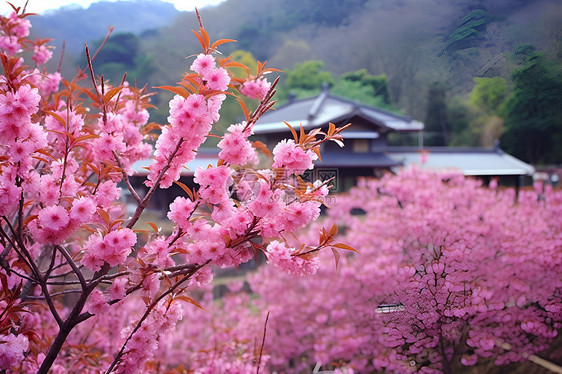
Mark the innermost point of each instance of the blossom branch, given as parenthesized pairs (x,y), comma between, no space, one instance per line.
(64,292)
(126,178)
(73,266)
(148,311)
(142,205)
(265,105)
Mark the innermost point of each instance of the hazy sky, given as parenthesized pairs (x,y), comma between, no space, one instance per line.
(40,6)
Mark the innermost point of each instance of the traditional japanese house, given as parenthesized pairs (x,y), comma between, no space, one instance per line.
(368,151)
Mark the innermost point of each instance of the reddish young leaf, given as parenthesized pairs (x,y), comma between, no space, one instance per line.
(345,246)
(177,90)
(185,188)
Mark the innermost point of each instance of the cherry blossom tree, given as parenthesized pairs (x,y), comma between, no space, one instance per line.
(73,265)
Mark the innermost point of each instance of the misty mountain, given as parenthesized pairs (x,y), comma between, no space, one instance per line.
(76,25)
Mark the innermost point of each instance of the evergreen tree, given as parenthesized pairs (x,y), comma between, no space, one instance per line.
(533,111)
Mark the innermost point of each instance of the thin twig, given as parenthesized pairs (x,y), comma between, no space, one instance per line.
(32,280)
(51,264)
(264,105)
(126,178)
(112,276)
(103,42)
(119,94)
(61,56)
(262,342)
(73,266)
(91,68)
(199,18)
(156,183)
(74,290)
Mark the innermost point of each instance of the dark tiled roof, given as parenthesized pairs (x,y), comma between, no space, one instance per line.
(320,110)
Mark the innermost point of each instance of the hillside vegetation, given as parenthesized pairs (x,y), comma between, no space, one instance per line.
(431,54)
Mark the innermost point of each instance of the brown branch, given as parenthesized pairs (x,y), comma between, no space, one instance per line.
(64,330)
(51,265)
(50,302)
(262,342)
(126,178)
(142,205)
(103,42)
(61,56)
(181,267)
(73,266)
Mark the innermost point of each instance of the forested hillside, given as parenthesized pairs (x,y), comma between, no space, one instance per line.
(434,60)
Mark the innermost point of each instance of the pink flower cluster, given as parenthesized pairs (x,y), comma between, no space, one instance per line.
(17,28)
(214,182)
(282,256)
(235,147)
(256,89)
(292,157)
(118,132)
(144,341)
(12,350)
(190,120)
(215,78)
(180,212)
(42,54)
(113,248)
(19,139)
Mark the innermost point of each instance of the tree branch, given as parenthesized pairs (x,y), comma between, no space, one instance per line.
(73,266)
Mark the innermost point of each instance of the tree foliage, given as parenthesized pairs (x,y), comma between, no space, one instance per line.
(533,111)
(308,75)
(437,130)
(470,29)
(122,53)
(307,79)
(489,93)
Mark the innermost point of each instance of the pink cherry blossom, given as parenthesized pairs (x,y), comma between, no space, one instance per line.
(203,64)
(236,148)
(280,255)
(256,89)
(289,155)
(42,54)
(217,79)
(12,350)
(53,217)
